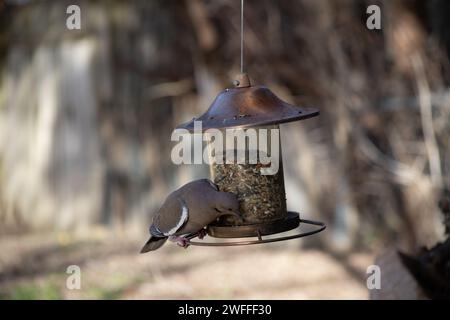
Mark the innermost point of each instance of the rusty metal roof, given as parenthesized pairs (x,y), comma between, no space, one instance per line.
(248,106)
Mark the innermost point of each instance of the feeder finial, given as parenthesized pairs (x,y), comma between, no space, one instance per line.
(242,81)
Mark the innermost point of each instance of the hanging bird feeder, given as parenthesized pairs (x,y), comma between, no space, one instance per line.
(258,184)
(261,196)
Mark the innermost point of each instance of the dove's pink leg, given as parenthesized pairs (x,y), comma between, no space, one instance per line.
(181,241)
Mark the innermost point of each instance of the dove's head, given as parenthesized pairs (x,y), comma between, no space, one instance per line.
(227,203)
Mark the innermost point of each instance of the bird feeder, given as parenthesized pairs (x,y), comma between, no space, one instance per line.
(261,194)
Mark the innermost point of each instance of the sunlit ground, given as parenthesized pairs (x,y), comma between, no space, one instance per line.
(34,267)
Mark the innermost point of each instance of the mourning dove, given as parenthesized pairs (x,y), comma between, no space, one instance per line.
(187,211)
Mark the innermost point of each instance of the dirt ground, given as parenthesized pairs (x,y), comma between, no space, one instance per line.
(34,267)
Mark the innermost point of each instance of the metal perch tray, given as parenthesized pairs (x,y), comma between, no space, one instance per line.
(291,222)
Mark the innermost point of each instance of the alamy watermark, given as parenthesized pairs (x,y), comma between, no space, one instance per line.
(73,281)
(373,22)
(229,146)
(374,279)
(73,22)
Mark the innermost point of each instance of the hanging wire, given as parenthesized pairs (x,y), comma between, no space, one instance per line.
(242,36)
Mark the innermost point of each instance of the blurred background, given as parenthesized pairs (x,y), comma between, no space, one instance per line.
(86,118)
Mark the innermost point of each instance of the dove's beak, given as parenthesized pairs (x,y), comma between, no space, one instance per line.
(237,215)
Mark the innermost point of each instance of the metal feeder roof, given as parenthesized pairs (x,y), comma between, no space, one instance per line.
(248,106)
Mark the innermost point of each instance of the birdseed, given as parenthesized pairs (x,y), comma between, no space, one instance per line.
(261,198)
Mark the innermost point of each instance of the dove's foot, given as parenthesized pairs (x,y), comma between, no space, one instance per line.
(181,241)
(201,234)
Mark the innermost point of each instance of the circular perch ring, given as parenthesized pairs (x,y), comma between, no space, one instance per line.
(260,240)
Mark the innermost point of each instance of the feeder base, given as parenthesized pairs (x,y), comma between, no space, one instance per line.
(291,221)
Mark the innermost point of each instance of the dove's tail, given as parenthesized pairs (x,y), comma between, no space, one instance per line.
(153,243)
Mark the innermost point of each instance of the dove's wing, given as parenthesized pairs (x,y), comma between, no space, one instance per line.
(171,217)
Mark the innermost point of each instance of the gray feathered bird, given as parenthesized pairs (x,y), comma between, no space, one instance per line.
(187,211)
